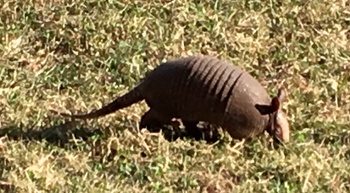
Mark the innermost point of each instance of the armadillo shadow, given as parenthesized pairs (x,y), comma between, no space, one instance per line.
(63,134)
(59,135)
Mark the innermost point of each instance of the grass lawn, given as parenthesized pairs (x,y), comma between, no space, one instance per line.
(75,56)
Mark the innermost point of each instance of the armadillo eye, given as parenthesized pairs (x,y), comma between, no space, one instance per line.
(278,130)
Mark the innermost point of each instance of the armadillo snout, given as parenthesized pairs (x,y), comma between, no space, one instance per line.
(282,127)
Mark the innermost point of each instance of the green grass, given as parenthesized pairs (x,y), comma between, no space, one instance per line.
(77,56)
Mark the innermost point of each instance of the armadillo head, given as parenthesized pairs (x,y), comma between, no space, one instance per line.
(279,126)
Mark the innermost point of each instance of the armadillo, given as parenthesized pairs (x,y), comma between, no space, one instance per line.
(207,89)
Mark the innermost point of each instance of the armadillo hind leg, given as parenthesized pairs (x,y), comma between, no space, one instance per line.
(201,130)
(154,121)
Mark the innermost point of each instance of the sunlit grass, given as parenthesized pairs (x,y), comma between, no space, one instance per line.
(77,56)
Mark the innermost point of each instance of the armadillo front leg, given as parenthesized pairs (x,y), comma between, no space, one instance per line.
(192,129)
(154,121)
(201,130)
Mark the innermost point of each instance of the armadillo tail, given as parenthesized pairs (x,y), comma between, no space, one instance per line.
(133,96)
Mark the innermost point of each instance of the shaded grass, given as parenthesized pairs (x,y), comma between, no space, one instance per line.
(76,56)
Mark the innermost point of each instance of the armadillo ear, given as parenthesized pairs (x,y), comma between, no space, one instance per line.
(275,104)
(281,95)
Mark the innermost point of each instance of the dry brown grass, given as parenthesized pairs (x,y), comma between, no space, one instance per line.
(76,56)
